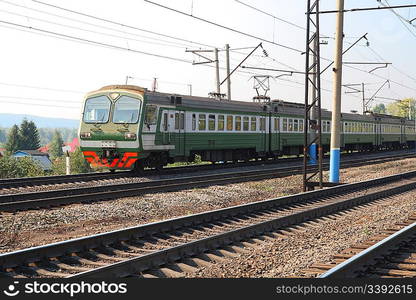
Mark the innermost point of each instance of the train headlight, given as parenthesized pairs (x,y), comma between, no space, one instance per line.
(85,135)
(130,136)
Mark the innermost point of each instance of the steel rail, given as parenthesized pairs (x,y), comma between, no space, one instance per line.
(35,200)
(367,257)
(13,259)
(48,180)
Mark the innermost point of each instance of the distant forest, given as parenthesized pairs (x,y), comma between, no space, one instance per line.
(46,134)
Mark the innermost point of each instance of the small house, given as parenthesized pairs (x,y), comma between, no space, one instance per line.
(41,158)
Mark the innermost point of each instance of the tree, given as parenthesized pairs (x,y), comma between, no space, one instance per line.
(3,137)
(11,167)
(13,140)
(78,164)
(56,145)
(404,108)
(29,135)
(379,108)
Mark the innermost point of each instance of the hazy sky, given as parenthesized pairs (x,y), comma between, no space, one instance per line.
(61,70)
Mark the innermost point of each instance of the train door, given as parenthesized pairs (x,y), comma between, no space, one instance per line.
(165,128)
(178,136)
(403,134)
(378,134)
(263,133)
(274,124)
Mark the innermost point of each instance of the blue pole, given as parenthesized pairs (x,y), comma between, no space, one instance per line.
(334,165)
(313,154)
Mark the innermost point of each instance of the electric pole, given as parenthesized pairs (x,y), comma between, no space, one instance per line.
(217,71)
(227,56)
(313,117)
(335,154)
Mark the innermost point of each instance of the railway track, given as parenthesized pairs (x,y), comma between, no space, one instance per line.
(89,177)
(173,247)
(45,199)
(389,254)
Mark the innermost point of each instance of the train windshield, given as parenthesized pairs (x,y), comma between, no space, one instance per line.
(126,110)
(97,110)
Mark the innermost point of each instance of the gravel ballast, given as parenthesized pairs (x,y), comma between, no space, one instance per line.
(33,228)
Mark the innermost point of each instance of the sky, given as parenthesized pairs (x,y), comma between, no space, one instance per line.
(51,56)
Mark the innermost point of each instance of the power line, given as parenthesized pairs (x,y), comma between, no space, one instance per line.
(39,104)
(94,42)
(40,88)
(120,24)
(42,99)
(270,15)
(224,27)
(90,31)
(92,24)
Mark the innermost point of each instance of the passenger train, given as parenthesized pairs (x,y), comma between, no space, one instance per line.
(129,127)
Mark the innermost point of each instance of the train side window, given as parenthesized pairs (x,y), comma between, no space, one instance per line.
(193,122)
(284,124)
(165,122)
(221,122)
(246,123)
(182,121)
(230,123)
(262,124)
(202,124)
(211,122)
(295,125)
(290,125)
(176,121)
(238,123)
(301,128)
(253,124)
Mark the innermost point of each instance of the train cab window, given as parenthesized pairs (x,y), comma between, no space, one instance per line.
(193,122)
(238,123)
(202,124)
(253,124)
(126,110)
(262,124)
(301,128)
(295,125)
(230,123)
(150,116)
(246,123)
(97,110)
(221,122)
(211,122)
(182,121)
(165,122)
(284,124)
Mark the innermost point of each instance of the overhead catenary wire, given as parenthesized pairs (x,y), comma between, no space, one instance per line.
(179,44)
(224,27)
(121,24)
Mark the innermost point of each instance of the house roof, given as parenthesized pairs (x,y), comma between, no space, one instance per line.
(30,152)
(41,158)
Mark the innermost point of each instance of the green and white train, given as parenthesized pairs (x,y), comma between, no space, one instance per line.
(129,127)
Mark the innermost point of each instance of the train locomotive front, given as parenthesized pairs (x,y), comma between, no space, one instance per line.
(110,127)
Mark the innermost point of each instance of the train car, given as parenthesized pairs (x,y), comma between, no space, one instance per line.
(129,127)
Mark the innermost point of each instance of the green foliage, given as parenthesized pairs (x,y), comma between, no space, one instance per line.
(29,136)
(78,164)
(13,140)
(67,134)
(11,167)
(3,135)
(55,149)
(404,108)
(380,109)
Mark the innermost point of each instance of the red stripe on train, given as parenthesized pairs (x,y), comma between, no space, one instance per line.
(128,159)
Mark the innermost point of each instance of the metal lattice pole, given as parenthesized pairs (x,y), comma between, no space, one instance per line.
(313,81)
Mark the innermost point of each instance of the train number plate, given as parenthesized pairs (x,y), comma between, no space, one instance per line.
(108,144)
